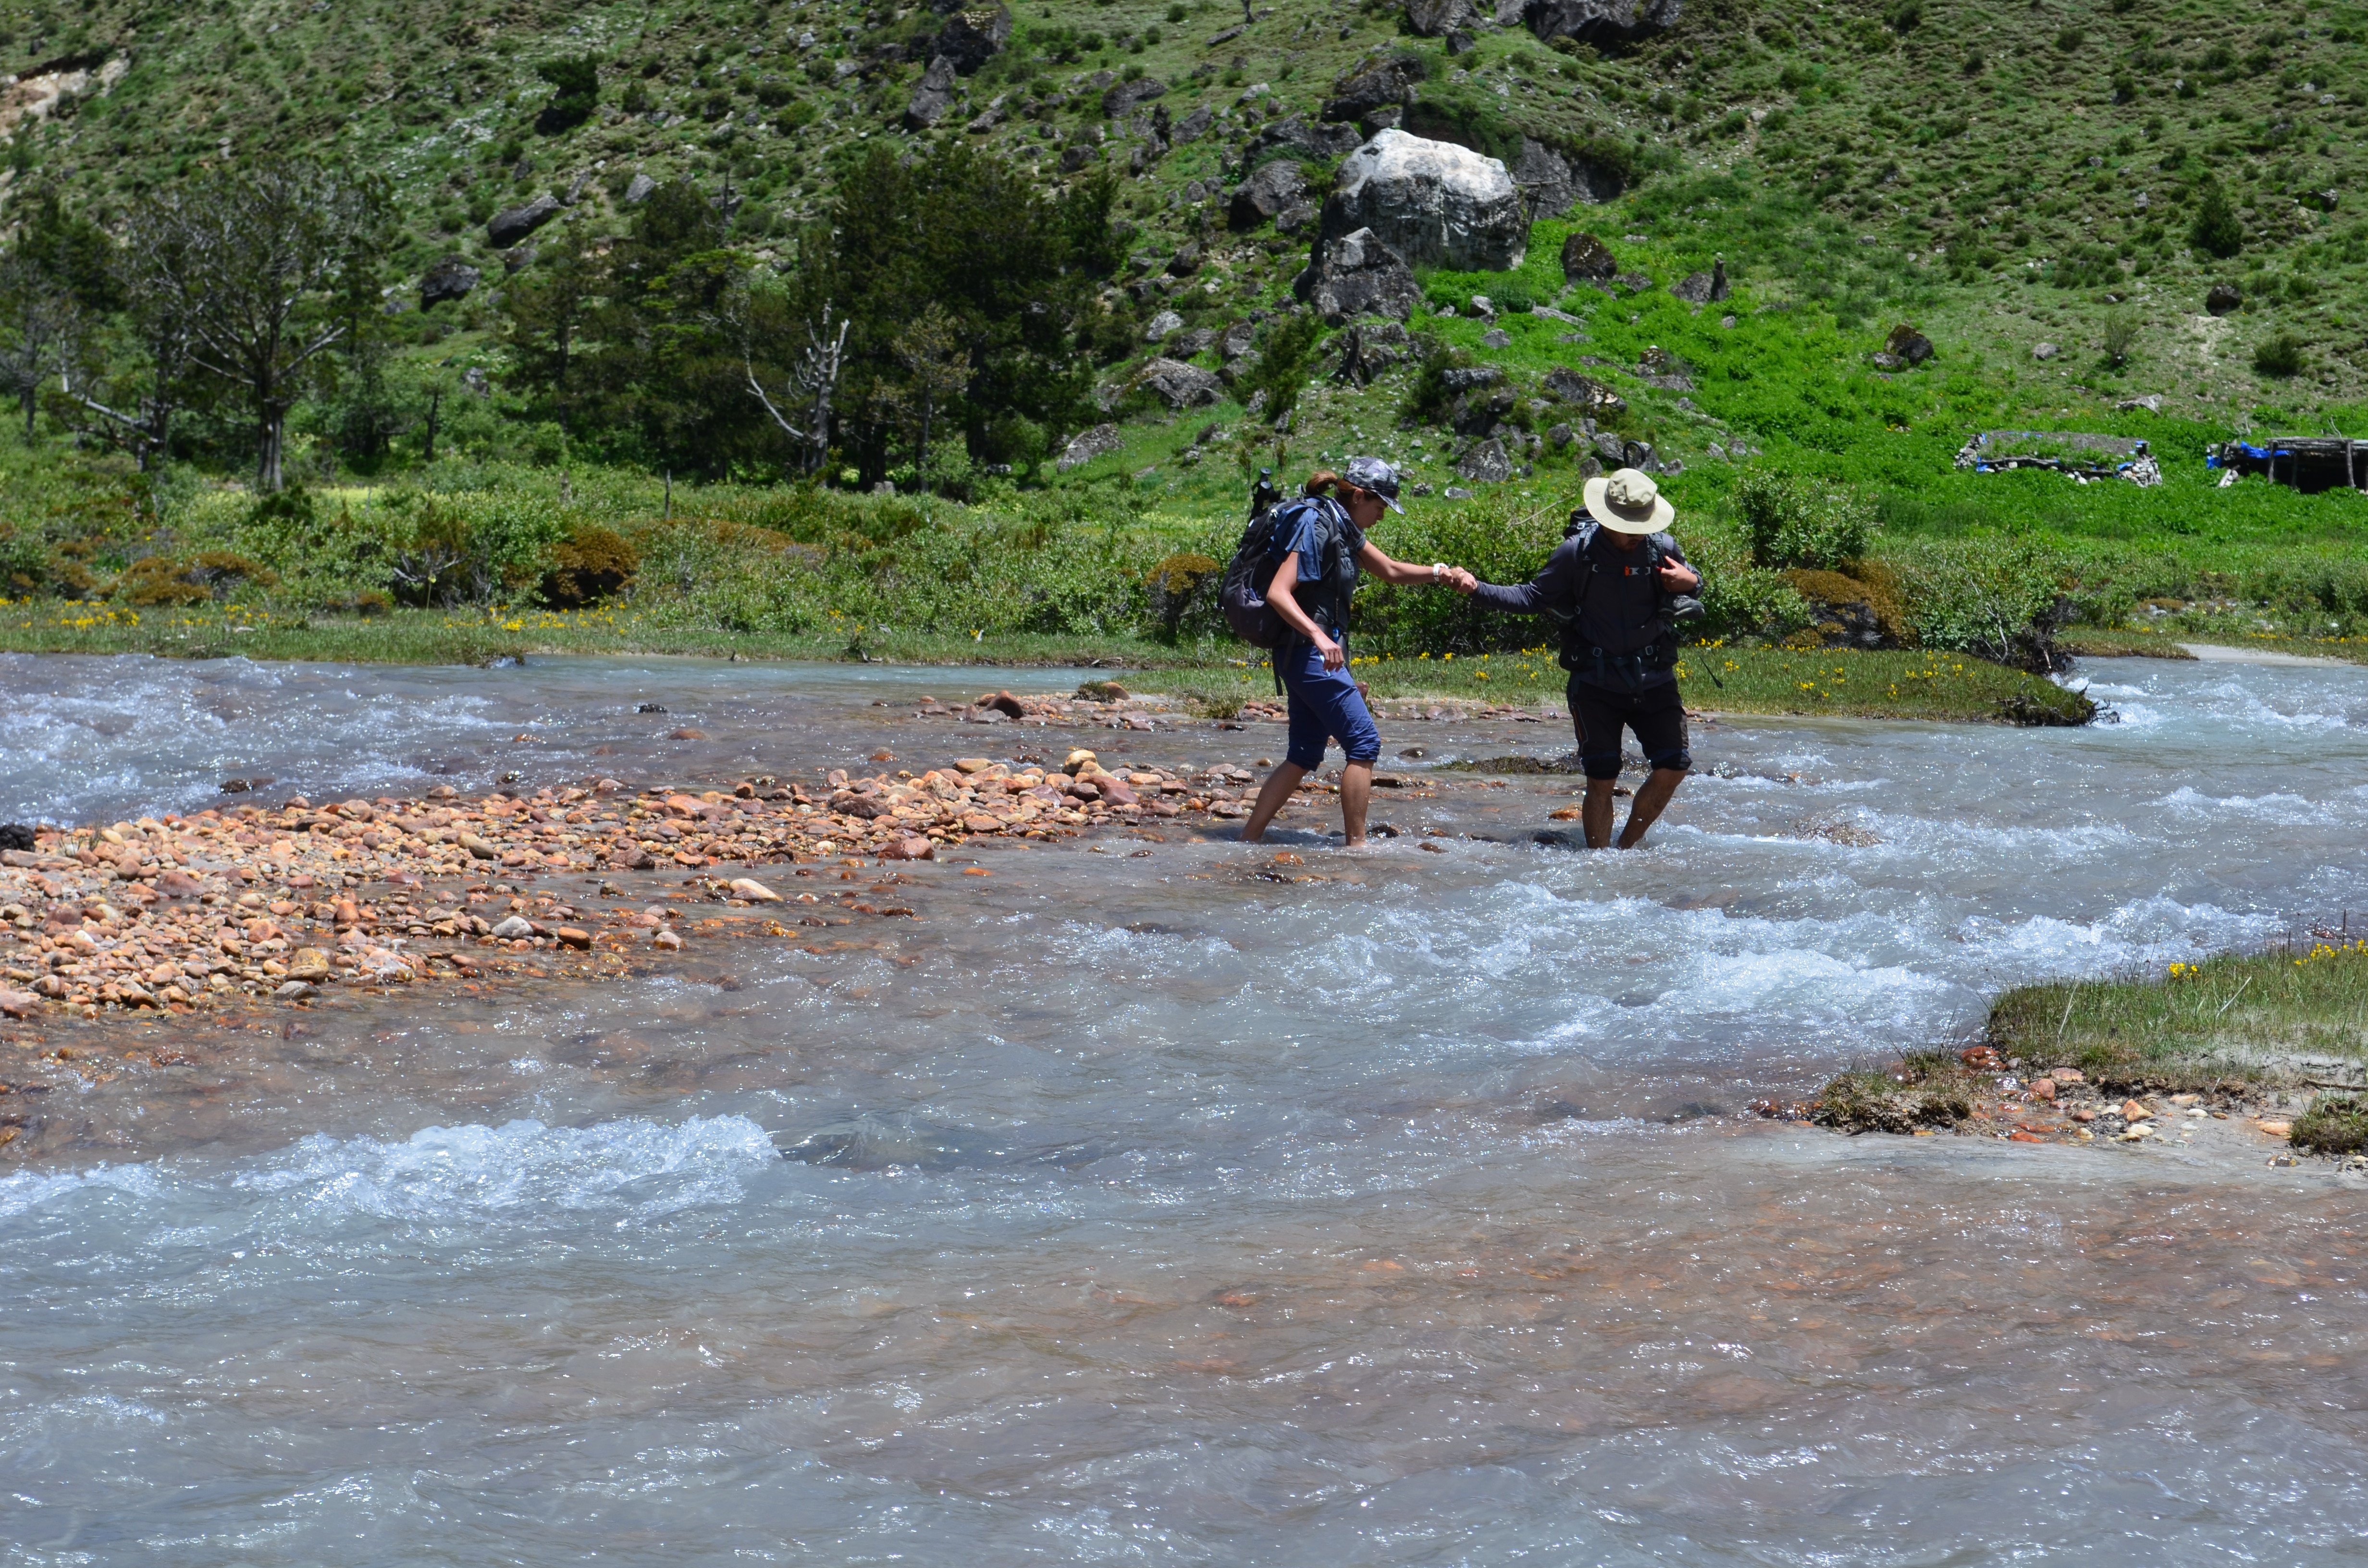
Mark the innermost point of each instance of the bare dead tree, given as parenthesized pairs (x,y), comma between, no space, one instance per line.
(259,263)
(813,376)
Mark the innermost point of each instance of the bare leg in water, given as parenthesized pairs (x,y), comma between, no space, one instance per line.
(1595,815)
(1356,794)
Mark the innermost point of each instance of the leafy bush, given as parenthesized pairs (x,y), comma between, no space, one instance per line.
(2279,358)
(2216,230)
(591,564)
(577,79)
(2120,334)
(1793,521)
(1995,598)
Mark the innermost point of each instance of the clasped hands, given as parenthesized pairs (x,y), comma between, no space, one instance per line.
(1675,577)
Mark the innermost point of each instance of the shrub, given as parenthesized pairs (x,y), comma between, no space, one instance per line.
(2279,358)
(2335,1124)
(1176,583)
(1998,599)
(577,80)
(2120,334)
(214,574)
(589,565)
(1791,522)
(2216,230)
(1281,369)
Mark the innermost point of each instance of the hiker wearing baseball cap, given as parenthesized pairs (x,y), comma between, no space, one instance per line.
(1315,548)
(1617,586)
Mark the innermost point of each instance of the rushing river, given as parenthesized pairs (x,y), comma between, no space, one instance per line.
(1148,1211)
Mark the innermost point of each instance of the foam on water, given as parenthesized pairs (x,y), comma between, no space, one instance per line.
(1201,1217)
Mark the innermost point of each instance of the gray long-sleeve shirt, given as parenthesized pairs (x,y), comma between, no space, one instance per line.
(1615,594)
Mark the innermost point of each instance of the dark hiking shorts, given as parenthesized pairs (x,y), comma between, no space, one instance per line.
(1325,706)
(1658,715)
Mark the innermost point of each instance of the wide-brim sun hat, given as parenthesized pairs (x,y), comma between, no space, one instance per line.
(1626,501)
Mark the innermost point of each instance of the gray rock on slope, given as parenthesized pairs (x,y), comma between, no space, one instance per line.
(639,189)
(1390,85)
(1487,463)
(1585,258)
(1179,385)
(933,96)
(1600,20)
(1433,203)
(1274,188)
(450,278)
(509,227)
(1125,98)
(970,39)
(1437,19)
(1087,445)
(1358,274)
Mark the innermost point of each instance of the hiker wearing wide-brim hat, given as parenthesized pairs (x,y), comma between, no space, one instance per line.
(1617,585)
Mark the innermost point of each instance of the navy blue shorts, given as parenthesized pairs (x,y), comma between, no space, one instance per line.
(1325,706)
(1657,714)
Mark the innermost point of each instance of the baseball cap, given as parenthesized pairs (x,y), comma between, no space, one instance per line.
(1373,474)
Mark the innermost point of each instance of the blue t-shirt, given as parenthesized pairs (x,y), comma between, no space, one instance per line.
(1307,538)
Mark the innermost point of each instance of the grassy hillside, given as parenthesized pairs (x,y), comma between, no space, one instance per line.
(1999,178)
(1997,171)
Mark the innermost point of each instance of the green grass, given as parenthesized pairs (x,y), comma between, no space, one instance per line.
(2252,1016)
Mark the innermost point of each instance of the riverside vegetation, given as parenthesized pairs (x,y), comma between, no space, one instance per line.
(549,251)
(2115,1058)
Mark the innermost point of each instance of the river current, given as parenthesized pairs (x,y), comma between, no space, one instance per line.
(1148,1207)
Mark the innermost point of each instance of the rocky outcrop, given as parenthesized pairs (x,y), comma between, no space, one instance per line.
(1482,403)
(1087,445)
(1194,126)
(1437,19)
(1904,348)
(1177,384)
(509,227)
(1368,350)
(933,96)
(1553,181)
(1301,139)
(1487,463)
(1359,275)
(1598,20)
(1274,188)
(450,278)
(640,189)
(1432,203)
(1125,98)
(1390,85)
(1703,287)
(970,39)
(1589,396)
(1586,259)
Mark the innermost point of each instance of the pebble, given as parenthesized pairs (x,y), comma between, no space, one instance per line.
(754,891)
(667,940)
